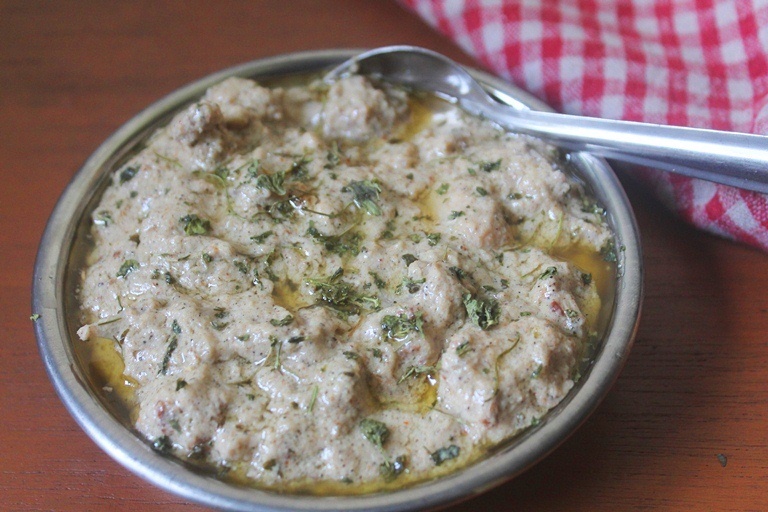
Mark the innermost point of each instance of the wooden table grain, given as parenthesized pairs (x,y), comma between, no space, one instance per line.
(684,428)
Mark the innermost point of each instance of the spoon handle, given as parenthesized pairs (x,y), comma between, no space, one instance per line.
(736,159)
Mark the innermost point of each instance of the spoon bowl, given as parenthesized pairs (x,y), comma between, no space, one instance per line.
(729,158)
(416,68)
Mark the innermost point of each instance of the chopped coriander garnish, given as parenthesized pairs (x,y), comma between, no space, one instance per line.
(414,237)
(217,178)
(333,290)
(333,157)
(433,238)
(377,280)
(497,363)
(277,345)
(463,348)
(180,384)
(127,267)
(346,242)
(128,173)
(282,322)
(445,454)
(455,214)
(442,189)
(219,326)
(549,272)
(103,218)
(34,317)
(194,225)
(389,470)
(163,444)
(272,182)
(482,312)
(252,169)
(459,272)
(371,302)
(414,371)
(350,355)
(481,191)
(537,371)
(608,251)
(409,258)
(412,285)
(109,320)
(175,327)
(221,172)
(241,266)
(172,343)
(365,193)
(298,170)
(339,295)
(586,279)
(374,431)
(259,239)
(398,327)
(313,398)
(490,166)
(590,207)
(390,231)
(282,209)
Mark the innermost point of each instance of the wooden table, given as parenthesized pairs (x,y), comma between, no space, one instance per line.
(693,396)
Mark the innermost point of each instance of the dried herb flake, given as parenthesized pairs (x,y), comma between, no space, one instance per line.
(374,431)
(365,194)
(482,312)
(445,454)
(127,267)
(194,225)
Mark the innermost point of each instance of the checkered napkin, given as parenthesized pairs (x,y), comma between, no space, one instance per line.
(697,63)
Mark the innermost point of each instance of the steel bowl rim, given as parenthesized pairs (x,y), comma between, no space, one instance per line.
(129,450)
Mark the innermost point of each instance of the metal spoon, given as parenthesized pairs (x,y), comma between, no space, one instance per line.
(736,159)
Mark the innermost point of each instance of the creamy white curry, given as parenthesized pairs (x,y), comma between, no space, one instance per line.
(339,288)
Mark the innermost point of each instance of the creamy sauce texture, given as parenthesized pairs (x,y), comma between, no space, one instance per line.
(340,288)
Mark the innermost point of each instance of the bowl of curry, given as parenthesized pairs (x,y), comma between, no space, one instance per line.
(270,292)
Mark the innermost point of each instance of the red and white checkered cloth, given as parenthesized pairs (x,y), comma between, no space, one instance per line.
(698,63)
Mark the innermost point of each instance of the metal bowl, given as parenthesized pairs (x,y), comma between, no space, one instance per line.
(55,281)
